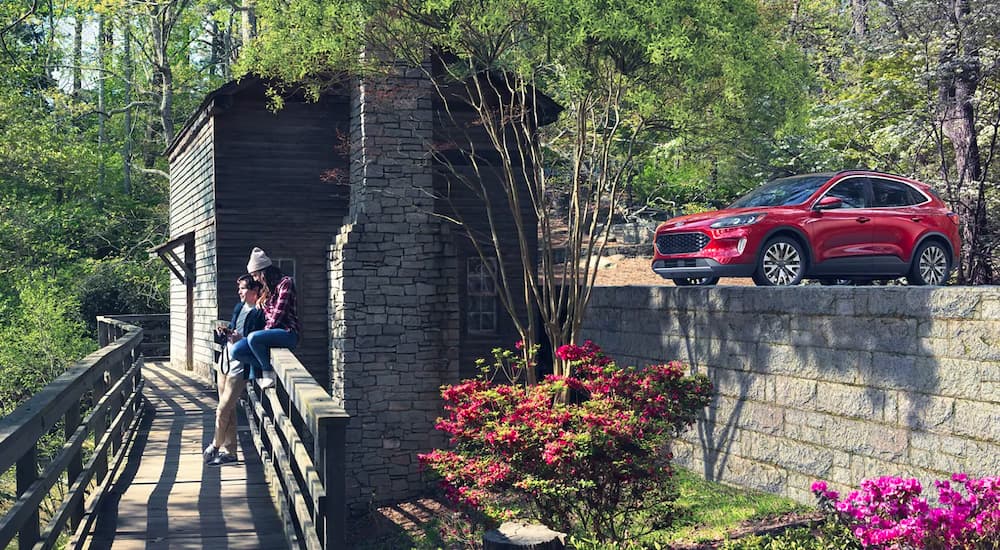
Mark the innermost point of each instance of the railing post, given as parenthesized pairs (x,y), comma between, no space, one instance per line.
(27,473)
(103,333)
(330,464)
(75,466)
(101,464)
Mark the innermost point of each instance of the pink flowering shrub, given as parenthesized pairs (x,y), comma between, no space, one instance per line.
(890,513)
(588,463)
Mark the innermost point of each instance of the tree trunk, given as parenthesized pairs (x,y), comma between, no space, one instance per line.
(248,27)
(102,40)
(859,18)
(127,92)
(162,19)
(77,54)
(959,72)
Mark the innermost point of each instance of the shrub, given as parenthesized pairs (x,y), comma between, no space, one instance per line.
(889,512)
(116,286)
(587,463)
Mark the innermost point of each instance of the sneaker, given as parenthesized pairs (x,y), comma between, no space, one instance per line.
(265,382)
(223,458)
(210,453)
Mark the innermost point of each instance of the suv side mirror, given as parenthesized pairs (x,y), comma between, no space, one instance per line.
(828,203)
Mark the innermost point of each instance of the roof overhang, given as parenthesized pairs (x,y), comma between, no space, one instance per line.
(182,270)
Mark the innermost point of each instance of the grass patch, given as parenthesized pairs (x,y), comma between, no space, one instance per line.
(705,511)
(711,511)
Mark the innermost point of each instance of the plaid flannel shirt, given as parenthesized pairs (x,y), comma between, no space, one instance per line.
(279,309)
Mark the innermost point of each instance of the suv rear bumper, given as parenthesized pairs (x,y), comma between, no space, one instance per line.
(696,268)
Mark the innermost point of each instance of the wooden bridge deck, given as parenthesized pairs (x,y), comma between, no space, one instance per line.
(165,496)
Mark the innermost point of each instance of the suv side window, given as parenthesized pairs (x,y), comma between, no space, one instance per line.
(888,193)
(851,191)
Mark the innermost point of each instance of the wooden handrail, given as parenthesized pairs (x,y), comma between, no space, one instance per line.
(112,376)
(300,432)
(155,333)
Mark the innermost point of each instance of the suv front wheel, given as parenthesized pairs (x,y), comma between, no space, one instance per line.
(781,263)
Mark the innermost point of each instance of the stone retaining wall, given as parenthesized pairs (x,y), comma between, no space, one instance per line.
(834,383)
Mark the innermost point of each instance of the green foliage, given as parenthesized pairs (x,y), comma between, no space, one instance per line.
(829,535)
(598,464)
(711,79)
(41,334)
(119,286)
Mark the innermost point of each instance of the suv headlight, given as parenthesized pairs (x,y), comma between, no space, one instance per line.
(734,221)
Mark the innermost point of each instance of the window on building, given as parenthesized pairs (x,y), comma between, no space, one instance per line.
(286,265)
(481,316)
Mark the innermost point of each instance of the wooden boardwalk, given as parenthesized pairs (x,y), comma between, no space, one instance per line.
(166,497)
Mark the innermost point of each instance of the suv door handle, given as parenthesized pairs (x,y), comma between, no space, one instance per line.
(915,219)
(863,219)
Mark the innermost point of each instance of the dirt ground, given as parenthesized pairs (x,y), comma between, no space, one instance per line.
(622,271)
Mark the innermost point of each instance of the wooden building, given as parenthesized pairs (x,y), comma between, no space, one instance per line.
(345,194)
(244,176)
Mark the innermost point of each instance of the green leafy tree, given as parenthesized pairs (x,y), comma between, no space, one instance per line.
(629,75)
(42,335)
(909,87)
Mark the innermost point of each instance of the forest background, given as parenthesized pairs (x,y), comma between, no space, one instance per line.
(91,94)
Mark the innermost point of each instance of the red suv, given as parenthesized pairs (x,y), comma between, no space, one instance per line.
(849,225)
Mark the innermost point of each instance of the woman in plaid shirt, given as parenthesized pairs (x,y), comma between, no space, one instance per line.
(281,323)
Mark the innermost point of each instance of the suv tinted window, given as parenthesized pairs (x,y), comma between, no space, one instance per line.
(851,191)
(888,193)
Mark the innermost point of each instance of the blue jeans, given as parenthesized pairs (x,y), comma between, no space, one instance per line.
(255,350)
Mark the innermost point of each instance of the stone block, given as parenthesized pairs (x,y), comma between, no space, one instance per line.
(926,412)
(980,421)
(792,391)
(976,340)
(740,385)
(990,308)
(850,401)
(950,303)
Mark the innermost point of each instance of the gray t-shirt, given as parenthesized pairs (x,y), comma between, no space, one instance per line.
(235,368)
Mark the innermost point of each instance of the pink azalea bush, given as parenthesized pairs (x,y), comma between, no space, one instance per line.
(589,462)
(890,513)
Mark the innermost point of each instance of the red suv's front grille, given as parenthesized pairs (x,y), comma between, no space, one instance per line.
(680,243)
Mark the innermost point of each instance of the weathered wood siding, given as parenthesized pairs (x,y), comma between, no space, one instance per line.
(461,189)
(192,204)
(281,185)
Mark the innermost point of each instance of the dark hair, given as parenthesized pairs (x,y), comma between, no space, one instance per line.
(251,283)
(272,276)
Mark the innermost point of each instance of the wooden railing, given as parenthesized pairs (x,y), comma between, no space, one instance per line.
(299,431)
(105,386)
(155,333)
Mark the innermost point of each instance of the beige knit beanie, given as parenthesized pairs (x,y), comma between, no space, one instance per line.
(258,260)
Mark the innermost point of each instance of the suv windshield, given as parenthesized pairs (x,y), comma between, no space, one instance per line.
(782,192)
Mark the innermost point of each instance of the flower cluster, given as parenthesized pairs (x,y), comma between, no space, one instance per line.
(598,438)
(889,512)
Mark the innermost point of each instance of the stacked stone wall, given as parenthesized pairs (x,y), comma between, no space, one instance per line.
(831,383)
(394,307)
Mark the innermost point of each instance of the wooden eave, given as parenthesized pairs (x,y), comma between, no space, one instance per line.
(165,251)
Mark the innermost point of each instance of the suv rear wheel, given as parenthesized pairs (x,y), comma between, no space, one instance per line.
(781,263)
(930,265)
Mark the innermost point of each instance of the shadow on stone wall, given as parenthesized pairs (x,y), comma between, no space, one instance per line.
(836,383)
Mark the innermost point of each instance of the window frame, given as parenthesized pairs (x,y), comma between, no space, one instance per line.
(485,291)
